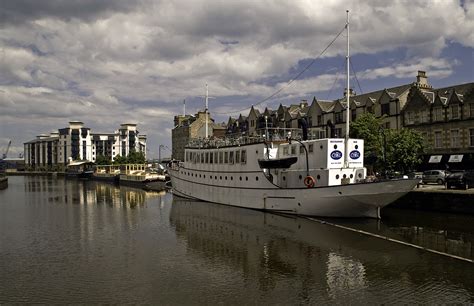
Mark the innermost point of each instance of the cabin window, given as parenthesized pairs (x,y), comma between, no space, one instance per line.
(202,158)
(207,158)
(301,149)
(285,150)
(221,157)
(216,157)
(237,156)
(226,157)
(243,156)
(231,157)
(293,150)
(211,157)
(311,146)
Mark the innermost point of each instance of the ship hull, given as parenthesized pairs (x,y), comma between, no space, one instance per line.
(352,200)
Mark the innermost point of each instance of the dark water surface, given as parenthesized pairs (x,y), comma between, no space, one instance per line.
(66,241)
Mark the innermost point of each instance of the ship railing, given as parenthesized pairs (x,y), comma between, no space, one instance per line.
(261,135)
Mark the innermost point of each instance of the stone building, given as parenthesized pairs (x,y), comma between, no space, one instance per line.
(189,127)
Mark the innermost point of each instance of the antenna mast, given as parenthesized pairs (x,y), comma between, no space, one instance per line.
(184,108)
(207,106)
(347,96)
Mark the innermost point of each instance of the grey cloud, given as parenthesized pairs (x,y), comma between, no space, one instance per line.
(21,11)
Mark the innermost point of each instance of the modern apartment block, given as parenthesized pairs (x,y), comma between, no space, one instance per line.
(77,142)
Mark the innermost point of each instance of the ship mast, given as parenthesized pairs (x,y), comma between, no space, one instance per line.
(346,162)
(207,106)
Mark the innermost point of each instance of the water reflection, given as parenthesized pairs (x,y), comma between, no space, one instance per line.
(321,261)
(66,191)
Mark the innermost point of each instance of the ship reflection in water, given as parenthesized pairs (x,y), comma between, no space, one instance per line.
(321,262)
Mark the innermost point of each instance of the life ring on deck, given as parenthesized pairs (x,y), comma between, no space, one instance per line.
(309,181)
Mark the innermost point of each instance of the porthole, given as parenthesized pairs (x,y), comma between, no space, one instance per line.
(246,178)
(215,177)
(352,175)
(335,146)
(356,147)
(360,175)
(204,176)
(220,177)
(256,178)
(226,178)
(300,177)
(318,177)
(321,147)
(231,178)
(284,178)
(199,175)
(240,178)
(337,176)
(344,176)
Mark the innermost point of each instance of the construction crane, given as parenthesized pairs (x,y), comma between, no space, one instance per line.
(6,151)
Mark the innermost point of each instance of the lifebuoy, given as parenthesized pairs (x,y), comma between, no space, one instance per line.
(309,181)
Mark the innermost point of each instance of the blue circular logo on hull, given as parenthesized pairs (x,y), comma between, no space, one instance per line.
(336,154)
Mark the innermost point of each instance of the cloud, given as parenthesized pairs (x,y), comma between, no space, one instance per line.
(105,62)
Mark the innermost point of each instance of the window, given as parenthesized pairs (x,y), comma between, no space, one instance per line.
(370,109)
(338,117)
(285,150)
(471,110)
(207,158)
(320,118)
(226,157)
(338,133)
(353,114)
(301,149)
(387,125)
(471,137)
(455,111)
(243,156)
(311,146)
(211,157)
(293,149)
(237,156)
(221,157)
(202,158)
(438,114)
(310,121)
(455,143)
(409,119)
(438,139)
(385,109)
(231,157)
(424,116)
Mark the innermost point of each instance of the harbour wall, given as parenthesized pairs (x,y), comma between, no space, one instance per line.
(438,199)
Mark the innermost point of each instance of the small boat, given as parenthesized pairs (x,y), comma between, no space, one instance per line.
(139,176)
(80,169)
(108,173)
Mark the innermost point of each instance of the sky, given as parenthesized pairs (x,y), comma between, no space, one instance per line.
(121,61)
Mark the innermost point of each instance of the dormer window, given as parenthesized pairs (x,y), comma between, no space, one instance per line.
(455,111)
(471,110)
(437,114)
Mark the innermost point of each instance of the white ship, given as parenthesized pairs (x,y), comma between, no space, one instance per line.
(279,172)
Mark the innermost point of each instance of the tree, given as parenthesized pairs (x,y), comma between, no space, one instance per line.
(386,149)
(404,150)
(136,158)
(103,160)
(120,160)
(367,127)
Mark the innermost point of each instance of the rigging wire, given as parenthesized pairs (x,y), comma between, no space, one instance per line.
(355,76)
(290,81)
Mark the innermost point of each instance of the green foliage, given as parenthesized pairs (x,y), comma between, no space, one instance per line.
(402,148)
(367,127)
(120,160)
(103,160)
(136,158)
(132,158)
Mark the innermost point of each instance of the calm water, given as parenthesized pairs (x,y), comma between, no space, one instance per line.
(65,241)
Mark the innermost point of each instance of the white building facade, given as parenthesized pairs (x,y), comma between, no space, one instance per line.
(76,142)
